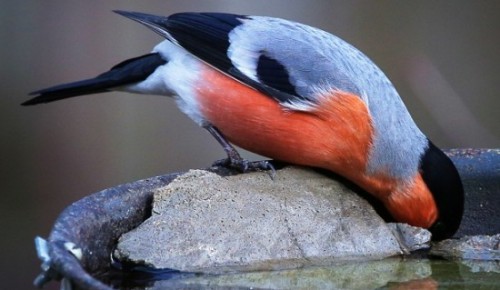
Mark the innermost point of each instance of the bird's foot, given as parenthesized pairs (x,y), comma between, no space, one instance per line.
(234,160)
(244,166)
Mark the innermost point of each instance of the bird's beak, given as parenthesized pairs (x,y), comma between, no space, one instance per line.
(156,23)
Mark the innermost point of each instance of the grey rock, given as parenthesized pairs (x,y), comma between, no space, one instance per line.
(411,238)
(481,247)
(203,222)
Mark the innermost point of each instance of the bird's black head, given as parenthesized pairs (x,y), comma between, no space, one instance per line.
(443,180)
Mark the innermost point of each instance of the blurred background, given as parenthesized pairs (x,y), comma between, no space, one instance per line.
(442,56)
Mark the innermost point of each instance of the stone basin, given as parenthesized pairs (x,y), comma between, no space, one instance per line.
(93,225)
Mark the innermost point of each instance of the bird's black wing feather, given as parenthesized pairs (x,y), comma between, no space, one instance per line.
(206,35)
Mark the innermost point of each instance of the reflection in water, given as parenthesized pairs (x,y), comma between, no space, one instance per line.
(426,284)
(392,273)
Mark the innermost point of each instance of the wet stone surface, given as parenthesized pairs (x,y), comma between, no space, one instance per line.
(481,247)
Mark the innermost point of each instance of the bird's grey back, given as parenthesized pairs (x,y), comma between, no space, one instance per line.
(319,61)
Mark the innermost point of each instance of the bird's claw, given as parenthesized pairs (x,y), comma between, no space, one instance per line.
(244,166)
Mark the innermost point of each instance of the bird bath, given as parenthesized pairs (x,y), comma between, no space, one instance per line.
(79,247)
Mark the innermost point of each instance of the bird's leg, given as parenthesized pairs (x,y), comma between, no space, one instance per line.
(234,160)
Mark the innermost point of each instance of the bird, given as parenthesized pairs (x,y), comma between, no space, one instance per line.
(293,93)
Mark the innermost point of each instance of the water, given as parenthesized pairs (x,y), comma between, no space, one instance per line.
(392,273)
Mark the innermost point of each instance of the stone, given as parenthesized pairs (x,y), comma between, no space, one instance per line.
(480,247)
(411,238)
(202,222)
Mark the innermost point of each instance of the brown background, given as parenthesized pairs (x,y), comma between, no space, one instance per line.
(442,56)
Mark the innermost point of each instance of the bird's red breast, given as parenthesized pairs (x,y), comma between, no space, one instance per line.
(335,134)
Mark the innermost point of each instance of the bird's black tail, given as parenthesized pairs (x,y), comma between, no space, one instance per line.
(127,72)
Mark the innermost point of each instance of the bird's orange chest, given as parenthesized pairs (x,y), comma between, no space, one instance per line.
(336,134)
